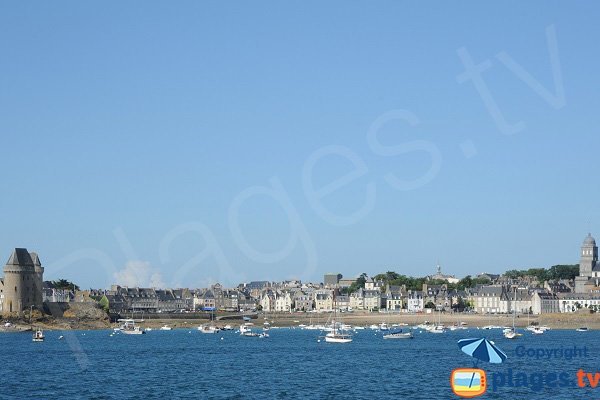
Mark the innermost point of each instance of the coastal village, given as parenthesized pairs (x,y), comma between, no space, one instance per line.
(573,289)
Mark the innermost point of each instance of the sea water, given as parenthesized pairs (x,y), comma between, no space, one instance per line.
(290,364)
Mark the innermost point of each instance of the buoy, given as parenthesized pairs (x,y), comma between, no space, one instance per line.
(221,338)
(319,341)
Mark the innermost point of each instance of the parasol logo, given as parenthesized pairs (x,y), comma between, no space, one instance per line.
(472,382)
(468,382)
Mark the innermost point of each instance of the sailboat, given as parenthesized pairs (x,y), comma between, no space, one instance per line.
(209,328)
(439,328)
(511,333)
(336,335)
(400,334)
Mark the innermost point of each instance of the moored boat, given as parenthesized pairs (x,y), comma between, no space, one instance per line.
(208,329)
(38,335)
(333,337)
(130,328)
(399,335)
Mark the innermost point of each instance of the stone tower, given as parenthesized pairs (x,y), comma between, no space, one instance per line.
(20,283)
(39,278)
(588,263)
(589,256)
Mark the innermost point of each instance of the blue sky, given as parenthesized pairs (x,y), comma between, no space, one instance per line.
(160,143)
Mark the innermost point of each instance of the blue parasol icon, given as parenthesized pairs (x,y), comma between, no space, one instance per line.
(482,349)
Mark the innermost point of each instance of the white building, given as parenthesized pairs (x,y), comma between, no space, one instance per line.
(414,303)
(283,301)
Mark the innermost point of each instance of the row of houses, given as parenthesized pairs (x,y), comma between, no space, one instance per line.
(293,296)
(508,299)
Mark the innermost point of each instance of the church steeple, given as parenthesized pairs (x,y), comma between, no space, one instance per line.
(589,256)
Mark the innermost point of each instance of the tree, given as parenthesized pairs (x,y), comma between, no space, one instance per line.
(64,284)
(358,284)
(513,274)
(460,305)
(104,304)
(429,305)
(465,282)
(481,281)
(540,273)
(563,271)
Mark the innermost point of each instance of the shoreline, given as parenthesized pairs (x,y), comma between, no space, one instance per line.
(553,321)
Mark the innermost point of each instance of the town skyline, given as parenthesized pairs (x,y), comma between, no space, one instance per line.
(142,274)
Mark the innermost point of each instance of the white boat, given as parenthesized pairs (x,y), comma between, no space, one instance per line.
(399,335)
(438,329)
(537,331)
(38,335)
(542,328)
(148,329)
(492,327)
(245,330)
(333,337)
(582,329)
(511,333)
(166,328)
(228,328)
(208,329)
(374,327)
(130,328)
(337,334)
(383,327)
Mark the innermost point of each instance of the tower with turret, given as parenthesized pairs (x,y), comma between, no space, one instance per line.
(588,263)
(22,283)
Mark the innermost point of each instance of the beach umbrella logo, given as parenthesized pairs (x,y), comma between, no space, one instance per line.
(472,382)
(482,349)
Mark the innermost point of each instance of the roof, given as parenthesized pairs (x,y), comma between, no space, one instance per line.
(589,240)
(36,259)
(488,290)
(20,257)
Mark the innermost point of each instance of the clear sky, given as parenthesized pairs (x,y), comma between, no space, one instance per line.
(181,144)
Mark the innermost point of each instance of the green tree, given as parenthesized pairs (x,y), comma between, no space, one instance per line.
(513,274)
(65,285)
(358,284)
(563,271)
(465,282)
(481,281)
(104,304)
(539,273)
(429,305)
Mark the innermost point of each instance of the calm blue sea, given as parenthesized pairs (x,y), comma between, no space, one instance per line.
(291,364)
